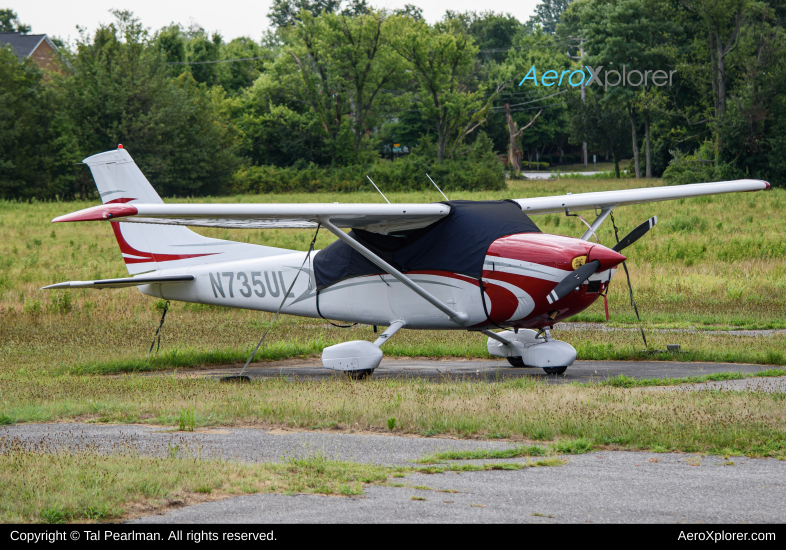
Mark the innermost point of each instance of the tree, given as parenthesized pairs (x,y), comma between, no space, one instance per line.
(493,33)
(121,91)
(636,35)
(723,20)
(344,63)
(547,15)
(599,124)
(535,54)
(9,22)
(36,139)
(285,13)
(443,62)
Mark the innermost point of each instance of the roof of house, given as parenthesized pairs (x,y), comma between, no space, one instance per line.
(24,44)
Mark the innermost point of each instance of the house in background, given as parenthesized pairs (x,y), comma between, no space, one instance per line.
(36,47)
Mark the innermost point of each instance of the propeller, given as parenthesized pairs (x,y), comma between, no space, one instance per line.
(635,235)
(575,279)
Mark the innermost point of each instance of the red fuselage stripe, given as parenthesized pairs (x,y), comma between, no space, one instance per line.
(145,257)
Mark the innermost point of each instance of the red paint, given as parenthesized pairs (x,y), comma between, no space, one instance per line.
(553,250)
(606,256)
(119,145)
(99,213)
(767,184)
(121,201)
(145,257)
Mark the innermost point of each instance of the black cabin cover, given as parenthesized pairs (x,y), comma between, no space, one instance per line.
(456,243)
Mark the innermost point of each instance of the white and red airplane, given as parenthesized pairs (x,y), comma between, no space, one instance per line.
(454,265)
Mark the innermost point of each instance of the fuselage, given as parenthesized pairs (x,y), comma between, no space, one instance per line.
(518,273)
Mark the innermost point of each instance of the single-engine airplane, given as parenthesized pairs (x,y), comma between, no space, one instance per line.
(453,265)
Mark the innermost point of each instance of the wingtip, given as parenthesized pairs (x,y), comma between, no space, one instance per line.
(103,212)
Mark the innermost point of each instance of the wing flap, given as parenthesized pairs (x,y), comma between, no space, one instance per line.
(598,200)
(122,283)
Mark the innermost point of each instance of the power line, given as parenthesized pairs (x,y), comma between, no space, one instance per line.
(221,60)
(534,100)
(492,50)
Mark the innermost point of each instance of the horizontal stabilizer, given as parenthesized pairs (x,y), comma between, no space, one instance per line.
(122,283)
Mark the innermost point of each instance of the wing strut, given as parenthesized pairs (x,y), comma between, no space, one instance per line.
(457,316)
(605,211)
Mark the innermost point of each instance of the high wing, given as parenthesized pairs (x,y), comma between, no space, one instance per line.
(605,199)
(380,218)
(122,283)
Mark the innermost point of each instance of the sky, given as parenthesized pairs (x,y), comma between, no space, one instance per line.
(231,18)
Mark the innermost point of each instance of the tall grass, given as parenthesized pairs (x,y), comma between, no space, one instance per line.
(752,423)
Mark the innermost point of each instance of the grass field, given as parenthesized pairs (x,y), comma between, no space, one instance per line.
(709,264)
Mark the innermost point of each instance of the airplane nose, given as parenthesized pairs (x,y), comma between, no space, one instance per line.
(607,257)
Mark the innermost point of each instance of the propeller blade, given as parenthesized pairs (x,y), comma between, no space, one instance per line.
(575,279)
(635,235)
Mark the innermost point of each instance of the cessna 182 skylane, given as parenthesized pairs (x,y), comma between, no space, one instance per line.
(455,265)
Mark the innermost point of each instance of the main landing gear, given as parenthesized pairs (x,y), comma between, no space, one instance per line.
(518,363)
(358,358)
(526,348)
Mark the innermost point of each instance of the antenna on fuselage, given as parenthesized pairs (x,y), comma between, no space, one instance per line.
(437,186)
(377,188)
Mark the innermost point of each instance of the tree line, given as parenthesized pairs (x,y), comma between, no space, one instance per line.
(336,90)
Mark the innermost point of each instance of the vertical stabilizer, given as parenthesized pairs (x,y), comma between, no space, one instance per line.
(155,247)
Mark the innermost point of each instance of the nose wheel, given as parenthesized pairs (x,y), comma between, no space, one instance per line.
(359,374)
(554,370)
(516,362)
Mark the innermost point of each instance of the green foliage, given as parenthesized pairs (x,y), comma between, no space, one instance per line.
(479,169)
(187,419)
(34,133)
(391,423)
(9,22)
(701,166)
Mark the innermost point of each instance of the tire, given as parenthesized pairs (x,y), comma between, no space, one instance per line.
(516,362)
(359,374)
(555,370)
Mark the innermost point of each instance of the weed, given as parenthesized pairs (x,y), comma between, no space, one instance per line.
(480,454)
(204,489)
(572,446)
(187,420)
(417,498)
(391,423)
(54,515)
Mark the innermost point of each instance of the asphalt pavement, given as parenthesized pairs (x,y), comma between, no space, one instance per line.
(602,486)
(489,370)
(605,487)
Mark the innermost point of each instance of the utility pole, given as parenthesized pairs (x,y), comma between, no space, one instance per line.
(583,99)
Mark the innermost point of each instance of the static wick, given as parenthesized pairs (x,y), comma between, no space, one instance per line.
(437,186)
(377,188)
